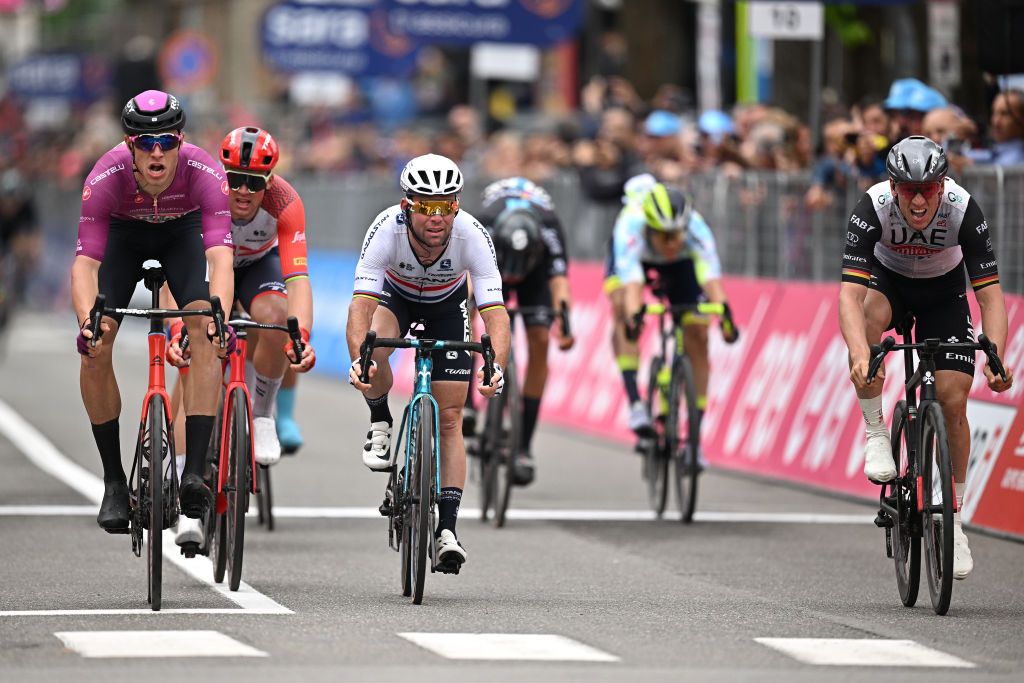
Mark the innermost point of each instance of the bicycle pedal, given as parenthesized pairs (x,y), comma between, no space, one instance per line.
(385,509)
(447,567)
(189,550)
(883,521)
(117,530)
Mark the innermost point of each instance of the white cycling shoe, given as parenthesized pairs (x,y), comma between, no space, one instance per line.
(189,531)
(450,553)
(264,434)
(377,449)
(878,463)
(963,563)
(639,420)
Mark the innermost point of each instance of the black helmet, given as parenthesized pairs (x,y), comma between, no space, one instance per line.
(153,111)
(517,244)
(916,159)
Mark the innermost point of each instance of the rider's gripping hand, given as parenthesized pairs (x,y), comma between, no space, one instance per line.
(229,344)
(308,359)
(859,372)
(356,370)
(730,333)
(85,334)
(496,385)
(995,382)
(176,355)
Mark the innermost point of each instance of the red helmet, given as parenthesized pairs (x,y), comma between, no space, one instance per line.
(249,149)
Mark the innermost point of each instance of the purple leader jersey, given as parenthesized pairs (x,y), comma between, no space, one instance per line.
(112,192)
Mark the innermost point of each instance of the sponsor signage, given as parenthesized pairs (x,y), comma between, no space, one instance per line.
(463,22)
(65,76)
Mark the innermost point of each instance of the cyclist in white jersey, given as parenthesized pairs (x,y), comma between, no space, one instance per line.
(413,267)
(907,244)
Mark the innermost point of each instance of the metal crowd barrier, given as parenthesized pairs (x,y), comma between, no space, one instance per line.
(761,222)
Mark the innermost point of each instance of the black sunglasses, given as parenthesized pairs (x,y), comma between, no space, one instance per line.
(255,183)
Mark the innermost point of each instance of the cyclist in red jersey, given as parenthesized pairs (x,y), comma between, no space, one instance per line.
(153,196)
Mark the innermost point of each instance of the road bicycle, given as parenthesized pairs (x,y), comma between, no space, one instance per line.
(920,501)
(501,436)
(232,463)
(413,484)
(153,484)
(672,396)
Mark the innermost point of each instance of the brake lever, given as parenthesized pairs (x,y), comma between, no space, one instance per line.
(95,316)
(878,352)
(994,363)
(488,354)
(365,351)
(296,336)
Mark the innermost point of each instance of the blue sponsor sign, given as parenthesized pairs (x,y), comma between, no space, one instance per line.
(535,22)
(65,76)
(340,36)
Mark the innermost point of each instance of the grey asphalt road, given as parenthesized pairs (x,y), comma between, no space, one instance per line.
(661,600)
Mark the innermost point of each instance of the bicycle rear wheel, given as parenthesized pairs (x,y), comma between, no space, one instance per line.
(264,497)
(488,457)
(687,469)
(217,528)
(906,536)
(656,457)
(508,441)
(154,490)
(239,483)
(939,500)
(422,497)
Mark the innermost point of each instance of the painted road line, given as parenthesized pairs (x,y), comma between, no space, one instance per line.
(522,515)
(508,646)
(136,611)
(863,652)
(136,644)
(42,453)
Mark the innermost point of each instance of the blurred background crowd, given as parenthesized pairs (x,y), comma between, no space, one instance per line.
(685,90)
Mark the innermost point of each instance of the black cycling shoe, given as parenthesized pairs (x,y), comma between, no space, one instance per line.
(523,470)
(194,495)
(113,516)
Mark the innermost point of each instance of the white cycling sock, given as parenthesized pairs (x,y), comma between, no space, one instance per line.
(959,487)
(871,409)
(264,395)
(179,464)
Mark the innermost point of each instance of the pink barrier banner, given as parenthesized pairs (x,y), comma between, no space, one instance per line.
(780,402)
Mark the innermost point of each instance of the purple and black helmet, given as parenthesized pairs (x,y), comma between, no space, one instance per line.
(153,111)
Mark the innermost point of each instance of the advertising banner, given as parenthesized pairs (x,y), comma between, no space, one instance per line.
(463,22)
(65,76)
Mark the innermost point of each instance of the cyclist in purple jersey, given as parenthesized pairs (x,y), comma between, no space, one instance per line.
(154,196)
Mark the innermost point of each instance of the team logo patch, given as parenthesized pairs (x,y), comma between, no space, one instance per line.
(86,193)
(138,199)
(224,187)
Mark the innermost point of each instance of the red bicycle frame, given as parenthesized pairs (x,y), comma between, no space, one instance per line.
(157,382)
(236,379)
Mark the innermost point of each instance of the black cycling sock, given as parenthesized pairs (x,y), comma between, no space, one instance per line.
(448,508)
(198,429)
(108,441)
(379,409)
(629,380)
(531,407)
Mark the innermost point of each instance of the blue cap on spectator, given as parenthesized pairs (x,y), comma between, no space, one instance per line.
(715,123)
(900,92)
(662,124)
(925,99)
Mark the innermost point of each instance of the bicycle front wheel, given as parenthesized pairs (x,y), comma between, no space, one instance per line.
(422,497)
(264,497)
(239,483)
(656,457)
(939,500)
(683,397)
(154,490)
(906,536)
(509,441)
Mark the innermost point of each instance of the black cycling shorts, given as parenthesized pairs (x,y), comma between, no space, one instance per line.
(939,306)
(445,319)
(675,281)
(178,246)
(533,297)
(259,278)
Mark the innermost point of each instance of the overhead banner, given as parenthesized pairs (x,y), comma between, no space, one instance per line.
(339,36)
(65,76)
(463,22)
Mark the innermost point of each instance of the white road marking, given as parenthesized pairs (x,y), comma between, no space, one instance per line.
(44,455)
(136,611)
(137,644)
(863,652)
(510,646)
(522,514)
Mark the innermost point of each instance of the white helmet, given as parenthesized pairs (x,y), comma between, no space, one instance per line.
(431,174)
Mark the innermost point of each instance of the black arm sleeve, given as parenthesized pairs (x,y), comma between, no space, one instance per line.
(976,242)
(556,259)
(862,233)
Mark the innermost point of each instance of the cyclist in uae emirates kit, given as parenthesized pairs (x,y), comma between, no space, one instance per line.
(907,245)
(153,196)
(413,267)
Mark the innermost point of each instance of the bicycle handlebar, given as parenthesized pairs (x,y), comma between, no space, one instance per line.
(292,328)
(879,351)
(659,308)
(100,309)
(370,342)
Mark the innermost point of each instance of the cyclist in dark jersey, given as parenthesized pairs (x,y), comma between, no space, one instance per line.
(153,196)
(907,245)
